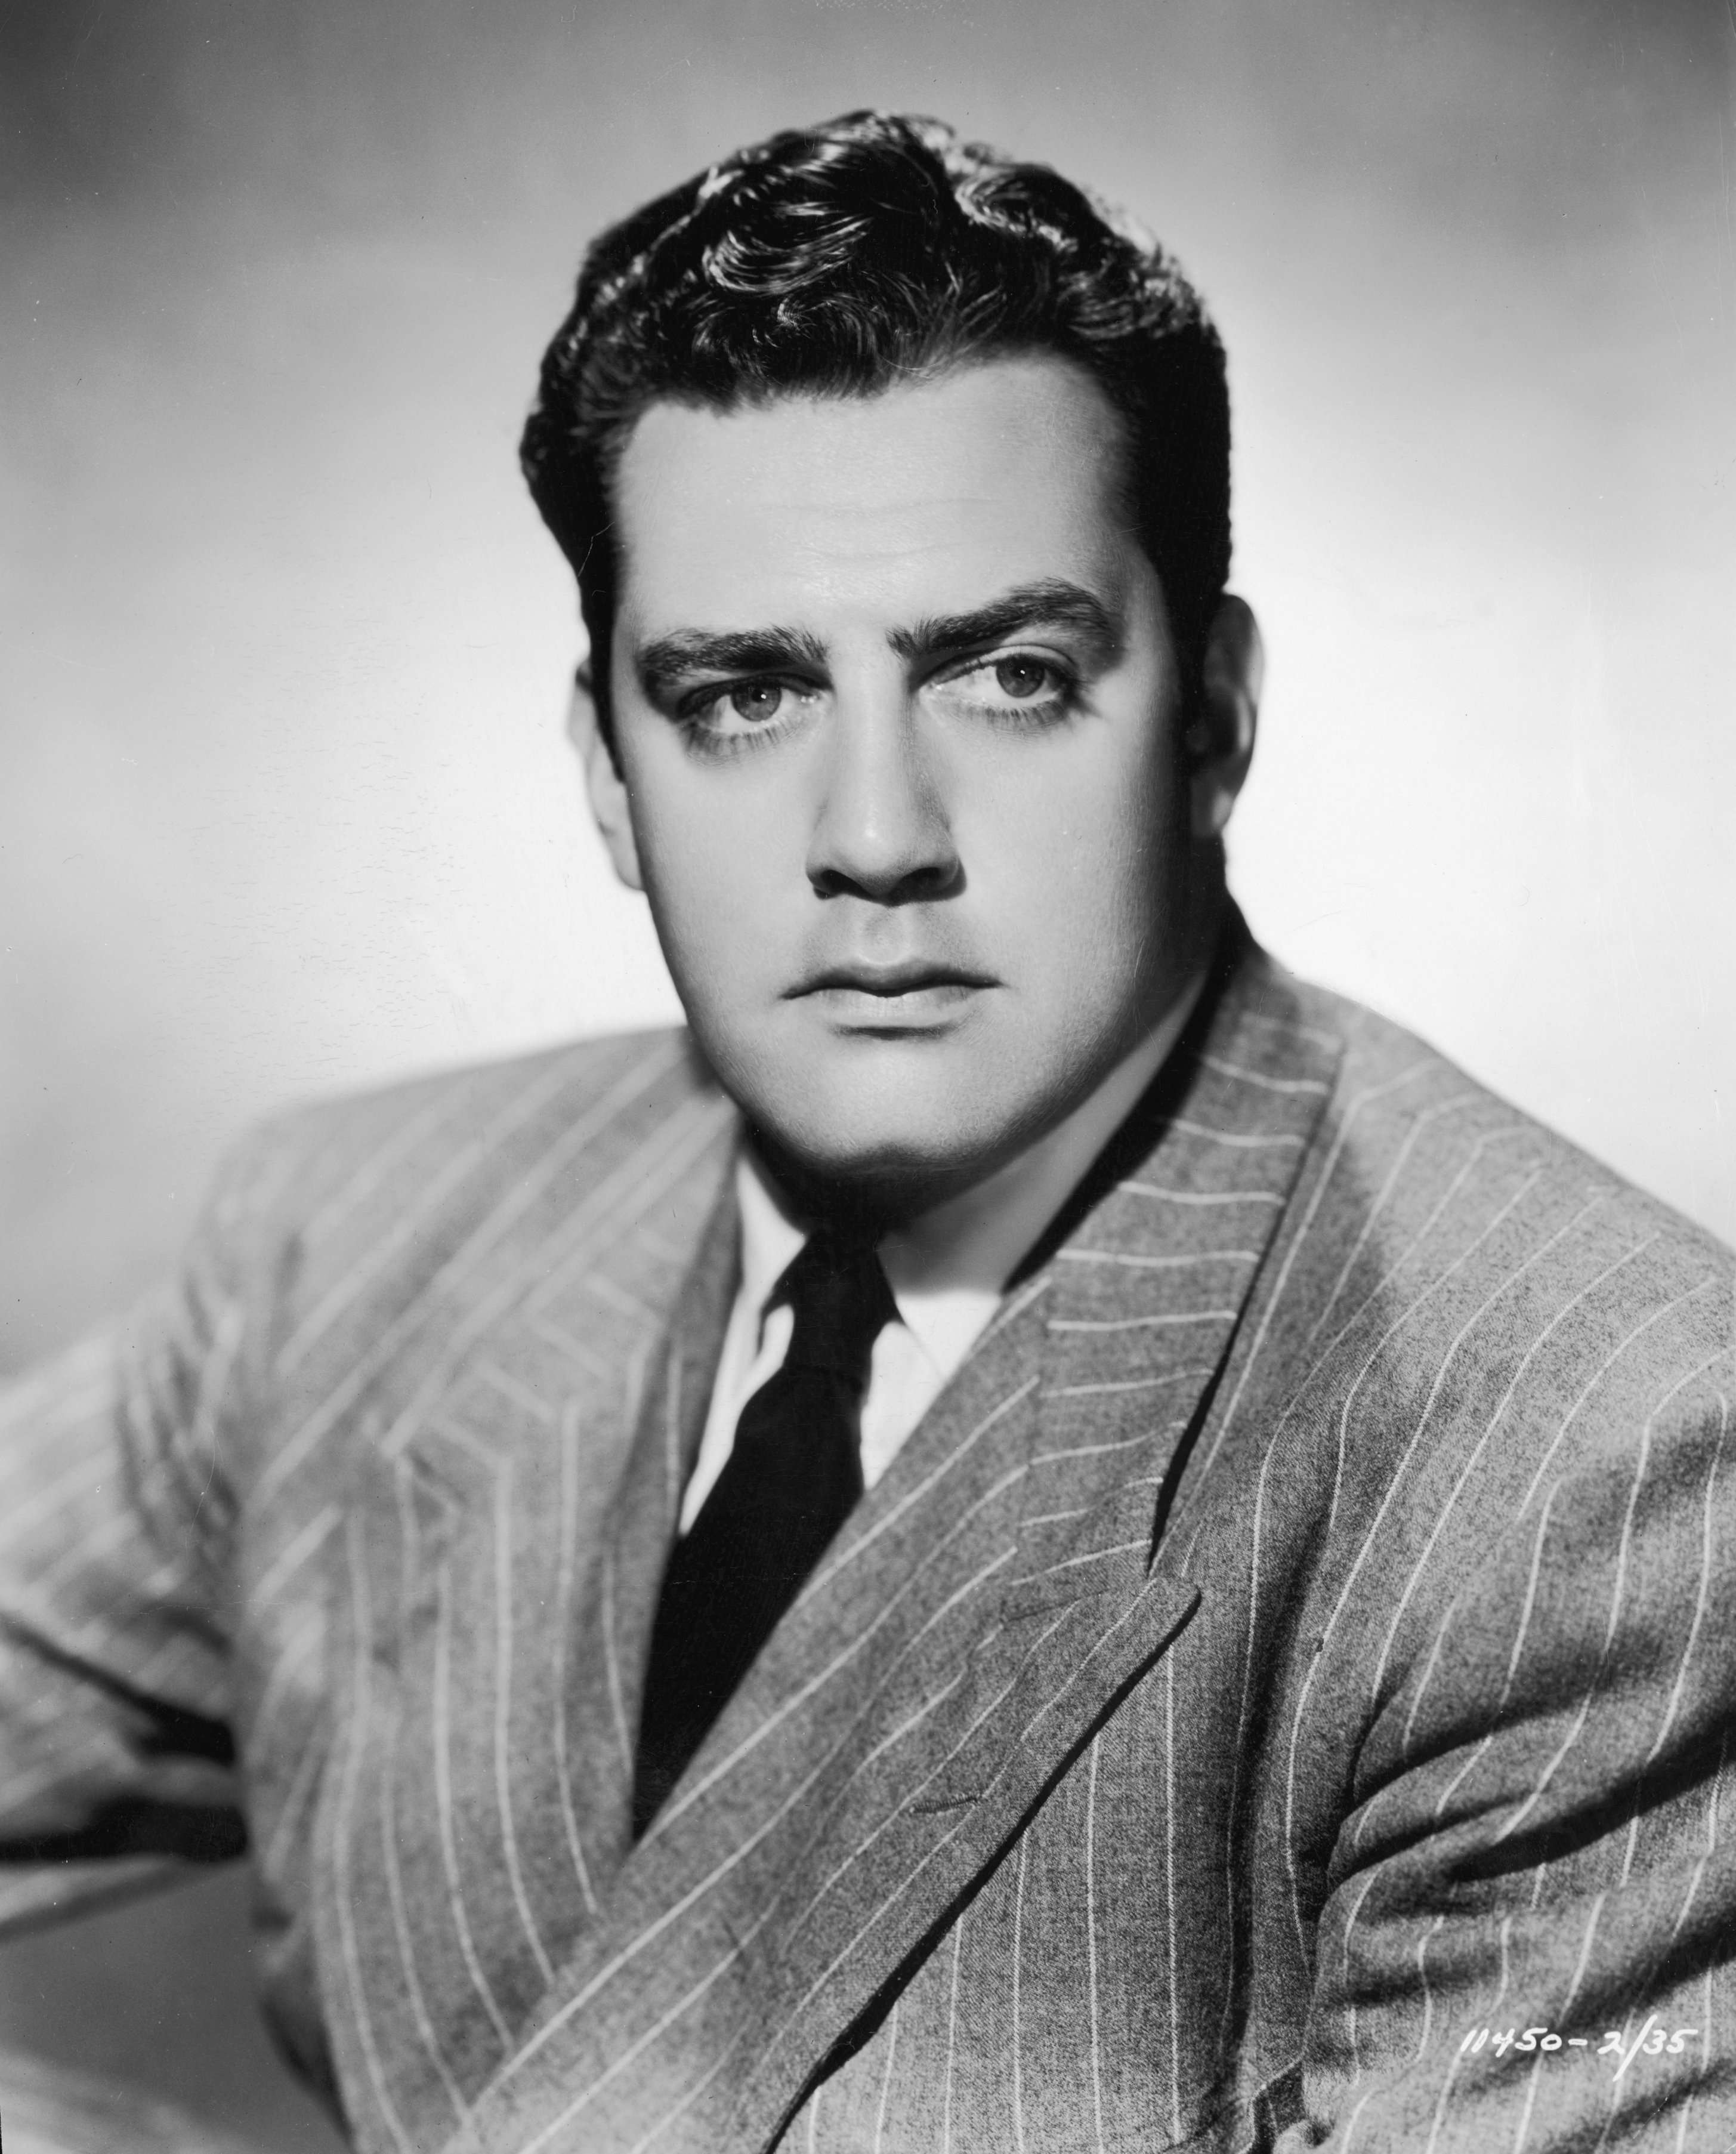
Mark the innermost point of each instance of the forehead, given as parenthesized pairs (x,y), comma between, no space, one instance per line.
(919,498)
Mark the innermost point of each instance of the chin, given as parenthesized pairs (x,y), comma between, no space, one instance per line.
(897,1154)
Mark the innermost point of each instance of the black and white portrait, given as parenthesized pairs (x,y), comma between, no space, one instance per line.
(866,909)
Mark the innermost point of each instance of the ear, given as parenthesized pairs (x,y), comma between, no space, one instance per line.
(1220,739)
(603,780)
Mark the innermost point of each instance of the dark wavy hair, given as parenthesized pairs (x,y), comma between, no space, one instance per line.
(836,260)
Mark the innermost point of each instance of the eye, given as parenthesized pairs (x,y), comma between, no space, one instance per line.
(1019,685)
(756,700)
(733,713)
(1022,678)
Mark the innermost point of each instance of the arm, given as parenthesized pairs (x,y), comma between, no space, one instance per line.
(116,1762)
(1544,1835)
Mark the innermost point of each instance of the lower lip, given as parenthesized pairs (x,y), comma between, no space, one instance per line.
(912,1007)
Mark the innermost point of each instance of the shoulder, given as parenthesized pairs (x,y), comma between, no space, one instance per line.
(420,1161)
(1420,1142)
(1472,1346)
(1452,1272)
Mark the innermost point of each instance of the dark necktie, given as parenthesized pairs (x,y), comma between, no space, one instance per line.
(791,1479)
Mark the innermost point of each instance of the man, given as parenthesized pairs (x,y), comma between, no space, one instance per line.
(1037,1536)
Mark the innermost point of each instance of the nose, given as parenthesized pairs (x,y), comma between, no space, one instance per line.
(882,830)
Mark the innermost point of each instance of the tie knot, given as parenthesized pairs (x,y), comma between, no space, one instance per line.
(839,1297)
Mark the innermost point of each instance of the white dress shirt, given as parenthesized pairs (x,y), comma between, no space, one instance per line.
(946,1270)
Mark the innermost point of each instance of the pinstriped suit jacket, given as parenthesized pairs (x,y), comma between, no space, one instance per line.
(1301,1635)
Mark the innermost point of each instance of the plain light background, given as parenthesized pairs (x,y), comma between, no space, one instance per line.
(285,806)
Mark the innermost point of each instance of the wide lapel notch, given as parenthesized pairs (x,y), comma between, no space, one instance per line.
(460,1849)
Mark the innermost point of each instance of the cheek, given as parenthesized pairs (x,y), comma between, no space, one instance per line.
(1085,858)
(714,872)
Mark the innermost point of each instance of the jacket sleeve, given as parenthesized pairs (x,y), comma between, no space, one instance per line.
(116,1759)
(1530,1929)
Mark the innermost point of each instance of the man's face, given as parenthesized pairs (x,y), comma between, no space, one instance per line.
(895,699)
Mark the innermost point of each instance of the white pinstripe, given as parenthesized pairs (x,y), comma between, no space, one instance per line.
(89,1472)
(284,1832)
(608,1212)
(544,1088)
(1105,1323)
(344,1842)
(1623,1551)
(617,1206)
(1201,1197)
(886,2084)
(41,1408)
(1288,1028)
(1524,2122)
(406,1140)
(737,1855)
(1477,1450)
(214,1379)
(1565,2014)
(1355,2117)
(1169,1892)
(795,2017)
(296,1554)
(809,1690)
(595,1366)
(1423,1942)
(1701,1592)
(1238,1139)
(678,2010)
(298,1446)
(631,2054)
(611,1662)
(830,1569)
(1344,1972)
(1024,1846)
(1125,1384)
(1091,1867)
(1104,1451)
(99,1539)
(503,1712)
(1472,1160)
(1475,1456)
(616,1299)
(305,1640)
(569,1427)
(1270,1083)
(951,2027)
(1322,1182)
(671,1436)
(515,1393)
(892,1899)
(1658,1314)
(1423,1120)
(1513,1659)
(394,1878)
(1384,1505)
(442,1734)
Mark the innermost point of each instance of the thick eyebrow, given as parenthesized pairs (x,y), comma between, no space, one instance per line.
(1052,603)
(671,658)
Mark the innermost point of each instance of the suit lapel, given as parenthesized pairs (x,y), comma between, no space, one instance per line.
(613,1636)
(475,1809)
(986,1607)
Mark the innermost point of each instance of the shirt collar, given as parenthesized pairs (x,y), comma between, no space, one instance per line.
(946,1269)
